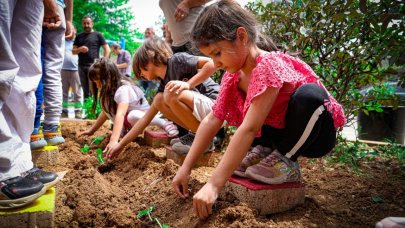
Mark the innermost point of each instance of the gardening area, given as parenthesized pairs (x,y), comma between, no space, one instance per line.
(349,188)
(357,49)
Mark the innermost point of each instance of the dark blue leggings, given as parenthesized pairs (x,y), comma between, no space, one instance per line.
(319,140)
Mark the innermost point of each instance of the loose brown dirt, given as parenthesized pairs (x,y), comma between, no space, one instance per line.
(90,196)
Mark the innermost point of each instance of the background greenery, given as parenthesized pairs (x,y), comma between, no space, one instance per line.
(350,44)
(110,18)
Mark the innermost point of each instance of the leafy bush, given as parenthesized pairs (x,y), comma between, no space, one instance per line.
(350,44)
(88,103)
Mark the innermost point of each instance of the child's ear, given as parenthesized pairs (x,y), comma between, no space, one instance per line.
(242,35)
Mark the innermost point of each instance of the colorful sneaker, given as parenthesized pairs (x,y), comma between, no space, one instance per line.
(391,222)
(37,139)
(19,191)
(170,129)
(184,144)
(52,134)
(49,179)
(78,114)
(185,138)
(64,114)
(254,156)
(275,169)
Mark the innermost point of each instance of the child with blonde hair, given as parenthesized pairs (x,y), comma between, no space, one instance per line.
(265,93)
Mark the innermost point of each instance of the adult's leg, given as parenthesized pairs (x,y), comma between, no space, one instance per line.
(84,80)
(76,89)
(20,73)
(65,74)
(53,60)
(40,98)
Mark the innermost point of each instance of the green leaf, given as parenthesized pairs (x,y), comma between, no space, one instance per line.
(85,149)
(99,151)
(98,140)
(377,199)
(142,213)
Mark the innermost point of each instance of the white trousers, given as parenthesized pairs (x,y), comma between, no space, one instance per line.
(54,53)
(20,72)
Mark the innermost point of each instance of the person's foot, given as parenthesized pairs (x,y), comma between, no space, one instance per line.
(64,114)
(391,222)
(49,179)
(184,144)
(254,156)
(219,138)
(275,169)
(185,138)
(19,191)
(37,139)
(170,129)
(52,134)
(78,114)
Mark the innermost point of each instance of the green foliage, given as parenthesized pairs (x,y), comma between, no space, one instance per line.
(87,106)
(357,153)
(100,156)
(85,149)
(148,212)
(379,96)
(112,18)
(394,150)
(350,44)
(97,140)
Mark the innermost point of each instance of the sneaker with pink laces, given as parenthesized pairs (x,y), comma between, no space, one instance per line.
(275,169)
(170,129)
(253,156)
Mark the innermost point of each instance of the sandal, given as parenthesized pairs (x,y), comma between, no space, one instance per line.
(170,129)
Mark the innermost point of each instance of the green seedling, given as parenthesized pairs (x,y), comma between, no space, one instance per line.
(377,199)
(97,140)
(85,149)
(148,212)
(100,156)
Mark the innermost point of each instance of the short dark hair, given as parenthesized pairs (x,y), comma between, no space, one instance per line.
(115,46)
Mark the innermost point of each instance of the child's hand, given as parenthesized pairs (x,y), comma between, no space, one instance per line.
(177,86)
(110,145)
(204,200)
(87,133)
(113,151)
(180,183)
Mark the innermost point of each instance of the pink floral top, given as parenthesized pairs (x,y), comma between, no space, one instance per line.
(272,70)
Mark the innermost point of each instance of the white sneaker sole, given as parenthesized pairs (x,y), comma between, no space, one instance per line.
(266,180)
(15,203)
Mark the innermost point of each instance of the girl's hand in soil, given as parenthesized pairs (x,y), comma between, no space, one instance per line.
(180,183)
(87,133)
(204,200)
(110,145)
(113,151)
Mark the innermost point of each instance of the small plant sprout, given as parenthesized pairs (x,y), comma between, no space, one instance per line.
(97,140)
(148,212)
(100,156)
(85,149)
